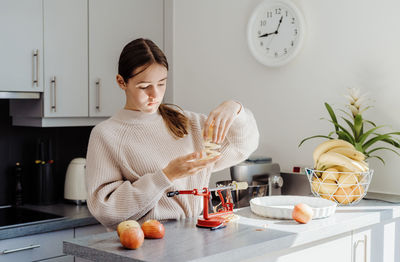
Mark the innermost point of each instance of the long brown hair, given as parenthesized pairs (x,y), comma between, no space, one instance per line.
(142,52)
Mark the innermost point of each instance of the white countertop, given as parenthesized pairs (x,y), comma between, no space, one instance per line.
(345,219)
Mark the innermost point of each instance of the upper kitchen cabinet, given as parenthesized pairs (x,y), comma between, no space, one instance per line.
(21,45)
(113,24)
(65,58)
(82,43)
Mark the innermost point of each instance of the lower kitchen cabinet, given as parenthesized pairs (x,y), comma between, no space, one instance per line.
(34,247)
(333,249)
(377,243)
(380,242)
(46,247)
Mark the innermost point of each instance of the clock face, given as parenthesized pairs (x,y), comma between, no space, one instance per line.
(275,32)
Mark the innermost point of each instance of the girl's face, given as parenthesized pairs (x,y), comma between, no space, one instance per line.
(145,91)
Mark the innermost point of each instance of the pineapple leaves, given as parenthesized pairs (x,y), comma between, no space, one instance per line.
(383,148)
(331,133)
(380,158)
(374,140)
(391,142)
(361,133)
(349,124)
(370,122)
(305,139)
(343,133)
(345,136)
(346,113)
(384,138)
(358,125)
(364,136)
(332,114)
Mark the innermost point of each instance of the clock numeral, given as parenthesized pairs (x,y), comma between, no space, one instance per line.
(276,54)
(261,43)
(292,43)
(293,20)
(285,50)
(286,13)
(295,31)
(263,22)
(269,14)
(267,49)
(278,11)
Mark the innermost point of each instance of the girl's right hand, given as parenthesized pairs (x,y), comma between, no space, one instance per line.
(187,165)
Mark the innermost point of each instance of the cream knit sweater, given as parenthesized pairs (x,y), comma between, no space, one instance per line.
(126,155)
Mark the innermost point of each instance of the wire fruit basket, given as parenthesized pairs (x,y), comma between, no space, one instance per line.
(344,188)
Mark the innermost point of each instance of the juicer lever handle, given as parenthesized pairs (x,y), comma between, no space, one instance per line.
(172,193)
(182,192)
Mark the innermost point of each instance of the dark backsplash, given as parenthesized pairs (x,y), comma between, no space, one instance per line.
(18,144)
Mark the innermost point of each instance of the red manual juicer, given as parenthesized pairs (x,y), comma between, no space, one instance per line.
(218,218)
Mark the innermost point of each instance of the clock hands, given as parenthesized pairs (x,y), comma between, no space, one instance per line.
(280,21)
(275,32)
(267,34)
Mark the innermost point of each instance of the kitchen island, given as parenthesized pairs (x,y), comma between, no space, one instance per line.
(255,238)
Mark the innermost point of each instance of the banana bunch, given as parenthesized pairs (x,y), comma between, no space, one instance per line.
(339,167)
(339,154)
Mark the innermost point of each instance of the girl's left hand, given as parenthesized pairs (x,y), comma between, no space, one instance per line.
(221,119)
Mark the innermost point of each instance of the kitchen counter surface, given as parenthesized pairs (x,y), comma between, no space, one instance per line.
(249,236)
(74,216)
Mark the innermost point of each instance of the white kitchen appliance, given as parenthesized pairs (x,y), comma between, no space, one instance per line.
(75,185)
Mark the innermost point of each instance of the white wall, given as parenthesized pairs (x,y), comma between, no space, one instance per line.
(348,43)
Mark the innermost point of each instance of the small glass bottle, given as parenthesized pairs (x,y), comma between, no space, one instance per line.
(18,185)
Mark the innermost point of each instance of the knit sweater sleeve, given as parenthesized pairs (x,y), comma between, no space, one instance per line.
(111,197)
(241,140)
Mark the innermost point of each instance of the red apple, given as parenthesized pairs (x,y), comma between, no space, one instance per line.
(302,213)
(132,237)
(126,224)
(153,229)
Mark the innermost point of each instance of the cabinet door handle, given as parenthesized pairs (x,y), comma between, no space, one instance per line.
(8,251)
(35,71)
(98,94)
(53,88)
(364,242)
(365,248)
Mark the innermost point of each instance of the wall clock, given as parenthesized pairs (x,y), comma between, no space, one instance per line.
(275,32)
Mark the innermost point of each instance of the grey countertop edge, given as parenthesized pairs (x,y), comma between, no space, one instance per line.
(74,216)
(98,255)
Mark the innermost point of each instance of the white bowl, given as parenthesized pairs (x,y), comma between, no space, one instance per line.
(281,207)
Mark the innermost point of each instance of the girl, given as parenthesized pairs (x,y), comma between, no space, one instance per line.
(149,148)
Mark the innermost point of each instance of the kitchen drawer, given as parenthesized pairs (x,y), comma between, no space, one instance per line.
(35,247)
